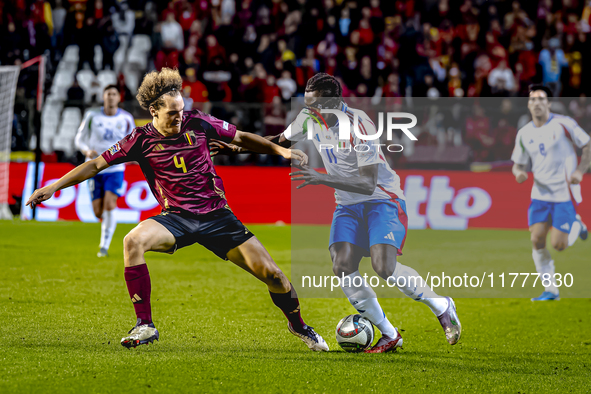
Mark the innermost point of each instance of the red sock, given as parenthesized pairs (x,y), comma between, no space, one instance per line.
(290,306)
(138,284)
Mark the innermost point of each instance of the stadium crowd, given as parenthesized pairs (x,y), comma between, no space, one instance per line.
(265,50)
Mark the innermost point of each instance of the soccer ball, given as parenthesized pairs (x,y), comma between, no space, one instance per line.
(354,333)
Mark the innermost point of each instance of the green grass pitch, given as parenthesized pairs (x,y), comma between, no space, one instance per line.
(63,313)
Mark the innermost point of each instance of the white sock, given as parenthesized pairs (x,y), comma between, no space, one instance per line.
(575,230)
(412,285)
(364,299)
(107,229)
(545,265)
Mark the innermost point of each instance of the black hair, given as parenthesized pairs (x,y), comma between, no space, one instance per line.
(326,84)
(329,88)
(111,86)
(533,88)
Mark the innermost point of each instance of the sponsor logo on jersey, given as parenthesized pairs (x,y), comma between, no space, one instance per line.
(390,236)
(225,125)
(565,226)
(115,148)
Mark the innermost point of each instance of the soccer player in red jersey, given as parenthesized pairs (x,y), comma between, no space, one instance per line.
(173,154)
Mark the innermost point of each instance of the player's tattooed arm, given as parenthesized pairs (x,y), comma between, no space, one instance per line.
(583,166)
(365,183)
(74,177)
(519,172)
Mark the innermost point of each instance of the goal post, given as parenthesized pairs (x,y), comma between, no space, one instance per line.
(8,81)
(9,76)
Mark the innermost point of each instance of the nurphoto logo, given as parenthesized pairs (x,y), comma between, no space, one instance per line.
(344,129)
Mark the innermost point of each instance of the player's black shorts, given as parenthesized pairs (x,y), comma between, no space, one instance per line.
(219,231)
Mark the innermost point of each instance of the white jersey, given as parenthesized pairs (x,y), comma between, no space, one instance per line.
(99,132)
(344,158)
(550,148)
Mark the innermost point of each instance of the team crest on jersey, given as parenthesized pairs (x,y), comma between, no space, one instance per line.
(119,126)
(115,148)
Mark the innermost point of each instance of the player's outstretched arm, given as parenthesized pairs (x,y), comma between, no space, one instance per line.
(217,147)
(583,166)
(74,177)
(255,143)
(519,172)
(365,183)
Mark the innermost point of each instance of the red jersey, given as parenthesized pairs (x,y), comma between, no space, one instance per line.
(178,168)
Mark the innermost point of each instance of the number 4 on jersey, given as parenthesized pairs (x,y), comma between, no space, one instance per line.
(180,163)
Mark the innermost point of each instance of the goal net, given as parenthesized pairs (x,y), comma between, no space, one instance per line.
(8,81)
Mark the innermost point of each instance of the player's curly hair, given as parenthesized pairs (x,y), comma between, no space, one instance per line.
(328,86)
(156,84)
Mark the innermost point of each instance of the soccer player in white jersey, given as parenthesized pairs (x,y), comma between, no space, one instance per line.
(548,142)
(101,129)
(370,218)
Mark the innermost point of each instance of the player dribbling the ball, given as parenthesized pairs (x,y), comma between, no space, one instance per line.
(370,218)
(173,153)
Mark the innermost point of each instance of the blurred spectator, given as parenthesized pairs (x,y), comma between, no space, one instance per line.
(187,16)
(187,98)
(172,34)
(271,90)
(58,15)
(148,19)
(109,42)
(367,76)
(75,96)
(213,49)
(12,44)
(552,61)
(274,117)
(392,87)
(501,80)
(479,135)
(194,88)
(515,16)
(328,48)
(172,41)
(124,91)
(124,20)
(287,86)
(265,53)
(307,67)
(504,135)
(86,42)
(227,11)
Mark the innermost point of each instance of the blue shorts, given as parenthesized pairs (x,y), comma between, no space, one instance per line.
(561,214)
(370,223)
(102,183)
